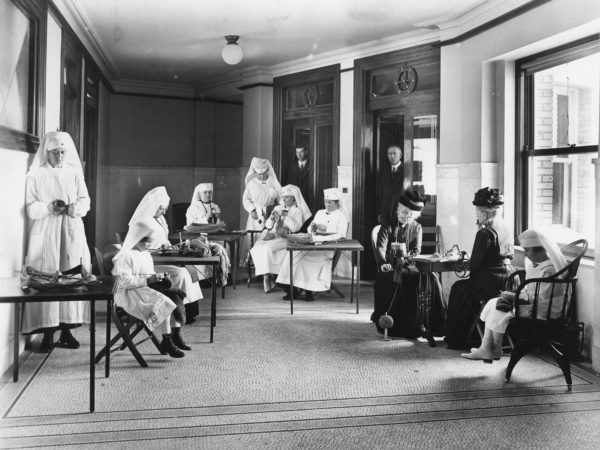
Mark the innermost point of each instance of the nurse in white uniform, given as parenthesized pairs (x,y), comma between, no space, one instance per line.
(152,208)
(269,252)
(202,209)
(262,190)
(312,270)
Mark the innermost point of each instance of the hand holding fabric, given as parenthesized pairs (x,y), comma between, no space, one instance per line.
(386,267)
(505,303)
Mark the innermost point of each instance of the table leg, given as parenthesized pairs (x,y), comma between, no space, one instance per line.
(93,356)
(429,300)
(291,282)
(352,255)
(424,294)
(234,262)
(16,343)
(213,308)
(109,306)
(357,279)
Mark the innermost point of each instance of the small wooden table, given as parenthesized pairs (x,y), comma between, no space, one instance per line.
(429,265)
(351,245)
(230,237)
(11,292)
(176,259)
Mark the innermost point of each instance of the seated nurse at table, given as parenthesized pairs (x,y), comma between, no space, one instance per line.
(152,208)
(269,252)
(202,209)
(396,287)
(312,270)
(135,271)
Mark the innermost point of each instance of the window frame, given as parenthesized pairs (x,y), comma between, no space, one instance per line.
(28,140)
(526,68)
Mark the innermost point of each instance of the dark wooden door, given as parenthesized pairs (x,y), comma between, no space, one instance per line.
(315,134)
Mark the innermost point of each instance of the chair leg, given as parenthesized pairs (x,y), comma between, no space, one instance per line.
(249,268)
(562,357)
(132,335)
(337,291)
(152,336)
(519,351)
(102,353)
(124,332)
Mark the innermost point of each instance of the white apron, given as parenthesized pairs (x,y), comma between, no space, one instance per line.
(132,292)
(257,196)
(56,242)
(268,255)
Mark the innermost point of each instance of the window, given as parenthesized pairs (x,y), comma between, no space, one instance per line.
(21,26)
(558,136)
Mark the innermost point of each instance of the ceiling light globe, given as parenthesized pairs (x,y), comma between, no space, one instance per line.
(232,53)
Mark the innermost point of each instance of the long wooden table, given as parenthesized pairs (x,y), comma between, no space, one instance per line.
(11,292)
(174,258)
(429,265)
(351,245)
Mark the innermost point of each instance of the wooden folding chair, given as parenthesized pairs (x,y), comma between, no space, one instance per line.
(123,321)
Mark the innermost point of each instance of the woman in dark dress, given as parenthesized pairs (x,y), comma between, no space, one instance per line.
(490,266)
(396,287)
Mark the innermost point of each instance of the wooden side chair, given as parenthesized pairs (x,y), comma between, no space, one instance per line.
(178,219)
(123,321)
(550,326)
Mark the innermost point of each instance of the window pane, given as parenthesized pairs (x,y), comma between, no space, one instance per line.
(14,67)
(562,196)
(566,104)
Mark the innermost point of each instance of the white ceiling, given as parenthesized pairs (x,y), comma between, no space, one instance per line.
(180,41)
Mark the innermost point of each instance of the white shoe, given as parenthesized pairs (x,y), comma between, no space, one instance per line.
(479,354)
(498,353)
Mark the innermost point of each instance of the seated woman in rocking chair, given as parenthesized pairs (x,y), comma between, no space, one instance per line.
(545,259)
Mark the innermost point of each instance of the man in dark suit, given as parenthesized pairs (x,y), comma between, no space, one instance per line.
(298,173)
(391,184)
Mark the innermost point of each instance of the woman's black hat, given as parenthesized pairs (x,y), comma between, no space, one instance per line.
(488,197)
(412,200)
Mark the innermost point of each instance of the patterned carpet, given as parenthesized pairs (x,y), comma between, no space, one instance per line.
(320,378)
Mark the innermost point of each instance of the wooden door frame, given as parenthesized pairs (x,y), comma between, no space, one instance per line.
(419,56)
(310,76)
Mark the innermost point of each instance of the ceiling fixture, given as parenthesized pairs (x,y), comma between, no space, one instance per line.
(232,52)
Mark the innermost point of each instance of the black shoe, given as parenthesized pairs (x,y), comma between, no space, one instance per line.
(189,320)
(178,340)
(309,297)
(168,348)
(47,343)
(296,293)
(67,340)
